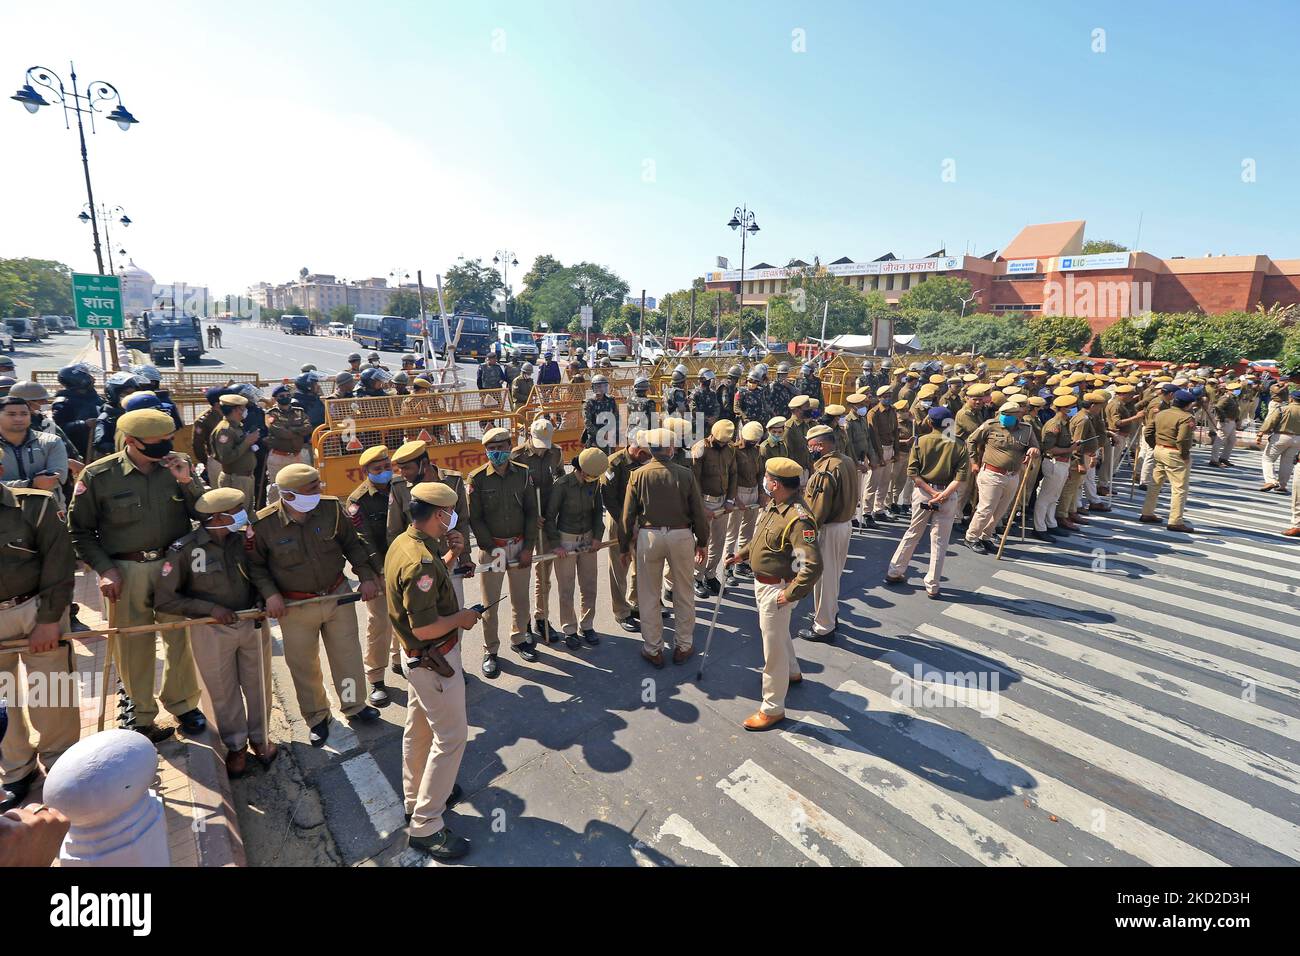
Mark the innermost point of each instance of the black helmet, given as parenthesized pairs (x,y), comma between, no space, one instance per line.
(354,356)
(305,381)
(375,378)
(76,376)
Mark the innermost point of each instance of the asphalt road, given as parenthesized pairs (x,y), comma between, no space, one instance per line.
(1130,697)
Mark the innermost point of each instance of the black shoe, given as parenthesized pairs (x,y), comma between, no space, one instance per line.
(591,637)
(714,586)
(443,845)
(665,614)
(453,798)
(868,522)
(702,590)
(15,793)
(193,722)
(572,641)
(365,715)
(630,624)
(894,509)
(526,651)
(980,547)
(1142,487)
(732,580)
(1037,535)
(668,596)
(883,517)
(856,524)
(542,632)
(378,694)
(490,668)
(397,669)
(320,733)
(808,634)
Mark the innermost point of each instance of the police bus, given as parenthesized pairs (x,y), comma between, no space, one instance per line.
(295,325)
(380,332)
(475,335)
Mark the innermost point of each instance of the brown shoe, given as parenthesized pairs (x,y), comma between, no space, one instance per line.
(889,580)
(1269,486)
(1102,490)
(1067,524)
(682,653)
(1102,508)
(657,658)
(797,679)
(265,753)
(932,595)
(1149,519)
(761,721)
(1185,528)
(1292,532)
(1079,519)
(236,763)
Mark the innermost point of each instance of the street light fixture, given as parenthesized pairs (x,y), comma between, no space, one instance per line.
(742,219)
(106,215)
(505,259)
(97,92)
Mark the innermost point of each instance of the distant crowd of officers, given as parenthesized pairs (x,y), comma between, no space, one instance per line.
(753,478)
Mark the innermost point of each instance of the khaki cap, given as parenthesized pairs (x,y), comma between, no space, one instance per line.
(723,430)
(783,467)
(421,383)
(776,421)
(937,380)
(496,434)
(1092,398)
(882,391)
(978,389)
(434,493)
(233,401)
(593,462)
(835,411)
(1037,401)
(1064,401)
(409,452)
(817,431)
(295,476)
(373,454)
(219,499)
(752,431)
(927,390)
(901,405)
(1005,380)
(970,377)
(146,423)
(1062,390)
(799,401)
(541,433)
(1007,408)
(1012,390)
(857,398)
(1124,389)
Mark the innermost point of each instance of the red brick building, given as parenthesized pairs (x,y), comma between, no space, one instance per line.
(1042,271)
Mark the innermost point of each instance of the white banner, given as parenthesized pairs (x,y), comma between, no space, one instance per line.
(1017,267)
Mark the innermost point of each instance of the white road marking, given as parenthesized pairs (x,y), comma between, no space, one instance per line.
(691,838)
(382,804)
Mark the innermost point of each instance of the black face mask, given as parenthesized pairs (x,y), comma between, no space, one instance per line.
(156,450)
(283,399)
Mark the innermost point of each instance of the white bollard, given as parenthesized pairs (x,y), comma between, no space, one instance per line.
(101,784)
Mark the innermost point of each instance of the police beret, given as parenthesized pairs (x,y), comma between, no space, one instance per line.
(969,377)
(496,434)
(1006,380)
(937,379)
(927,390)
(783,467)
(373,454)
(659,438)
(818,431)
(295,476)
(776,421)
(1062,390)
(835,411)
(814,403)
(857,398)
(1037,401)
(978,389)
(1124,389)
(1092,397)
(421,383)
(146,423)
(409,452)
(1183,396)
(233,401)
(1295,393)
(799,401)
(901,405)
(723,430)
(1012,390)
(434,493)
(220,499)
(939,415)
(593,462)
(752,431)
(883,390)
(1064,401)
(1168,387)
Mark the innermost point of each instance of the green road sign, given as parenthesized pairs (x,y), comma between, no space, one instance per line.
(97,301)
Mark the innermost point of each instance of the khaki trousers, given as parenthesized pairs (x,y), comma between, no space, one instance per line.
(1279,458)
(898,482)
(1069,501)
(718,521)
(1170,466)
(1295,505)
(137,654)
(660,551)
(542,589)
(433,742)
(212,472)
(245,483)
(48,701)
(1225,440)
(833,539)
(997,494)
(940,525)
(779,661)
(303,630)
(1090,486)
(740,523)
(381,647)
(1148,463)
(234,664)
(1055,475)
(622,593)
(878,481)
(584,567)
(491,590)
(275,460)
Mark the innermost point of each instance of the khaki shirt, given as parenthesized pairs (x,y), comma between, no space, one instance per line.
(36,554)
(749,464)
(1119,408)
(774,449)
(573,508)
(714,467)
(1056,440)
(287,429)
(1283,419)
(1083,433)
(117,508)
(201,441)
(613,483)
(502,506)
(418,588)
(200,574)
(399,504)
(966,421)
(832,491)
(866,444)
(1172,428)
(795,431)
(368,507)
(782,532)
(305,557)
(994,445)
(663,495)
(233,449)
(938,460)
(543,468)
(884,422)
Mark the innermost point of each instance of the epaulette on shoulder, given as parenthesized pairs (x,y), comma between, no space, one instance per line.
(333,498)
(480,469)
(100,464)
(448,473)
(179,543)
(267,511)
(34,493)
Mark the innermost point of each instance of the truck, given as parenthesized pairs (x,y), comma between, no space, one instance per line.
(295,325)
(161,333)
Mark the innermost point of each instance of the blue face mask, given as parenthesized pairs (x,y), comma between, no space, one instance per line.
(383,478)
(1071,412)
(498,458)
(1008,421)
(815,414)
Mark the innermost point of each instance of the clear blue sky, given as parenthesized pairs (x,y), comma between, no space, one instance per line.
(355,138)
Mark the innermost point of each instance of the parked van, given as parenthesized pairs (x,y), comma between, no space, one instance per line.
(518,339)
(22,328)
(557,342)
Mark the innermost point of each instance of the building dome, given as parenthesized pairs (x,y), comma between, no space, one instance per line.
(137,289)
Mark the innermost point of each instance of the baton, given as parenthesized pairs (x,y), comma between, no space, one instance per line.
(713,624)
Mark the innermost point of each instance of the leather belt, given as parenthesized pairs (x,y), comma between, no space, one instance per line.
(1061,457)
(307,595)
(503,541)
(15,601)
(665,527)
(996,470)
(138,555)
(769,579)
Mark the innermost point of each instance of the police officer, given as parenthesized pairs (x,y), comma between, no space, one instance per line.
(288,431)
(307,395)
(676,401)
(1000,449)
(883,422)
(808,383)
(787,563)
(205,574)
(373,360)
(574,523)
(781,390)
(613,491)
(545,463)
(713,462)
(664,523)
(775,444)
(704,400)
(299,546)
(796,428)
(76,406)
(1057,453)
(727,394)
(235,449)
(153,380)
(37,568)
(549,372)
(1170,434)
(832,496)
(522,386)
(641,409)
(429,622)
(201,435)
(751,401)
(600,417)
(118,386)
(401,383)
(503,517)
(1281,431)
(749,473)
(413,466)
(904,437)
(368,507)
(127,507)
(374,382)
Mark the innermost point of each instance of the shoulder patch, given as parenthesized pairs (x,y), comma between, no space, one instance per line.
(424,582)
(810,535)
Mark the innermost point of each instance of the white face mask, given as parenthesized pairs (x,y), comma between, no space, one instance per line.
(860,412)
(451,522)
(302,503)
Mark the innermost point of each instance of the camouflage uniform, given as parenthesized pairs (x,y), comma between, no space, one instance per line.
(600,415)
(752,405)
(779,394)
(675,401)
(811,386)
(641,411)
(704,401)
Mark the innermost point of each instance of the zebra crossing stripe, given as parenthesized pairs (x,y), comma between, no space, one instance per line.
(798,820)
(1027,781)
(1138,549)
(1282,557)
(382,804)
(685,833)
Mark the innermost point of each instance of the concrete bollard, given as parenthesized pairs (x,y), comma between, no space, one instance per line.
(101,784)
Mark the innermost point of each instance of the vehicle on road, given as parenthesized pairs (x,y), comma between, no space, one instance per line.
(6,339)
(295,325)
(650,350)
(710,347)
(163,332)
(338,328)
(23,328)
(516,338)
(380,332)
(53,324)
(68,322)
(615,347)
(558,342)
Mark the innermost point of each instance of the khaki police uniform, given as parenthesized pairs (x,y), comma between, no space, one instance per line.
(368,507)
(1281,432)
(1084,441)
(123,518)
(883,421)
(544,466)
(299,558)
(1146,454)
(503,517)
(999,453)
(713,462)
(749,475)
(236,453)
(419,592)
(1056,466)
(399,516)
(198,575)
(37,569)
(938,460)
(201,443)
(1171,436)
(574,522)
(613,491)
(905,435)
(832,497)
(288,432)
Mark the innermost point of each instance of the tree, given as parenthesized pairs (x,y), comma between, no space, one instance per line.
(1059,334)
(567,291)
(345,314)
(474,287)
(1288,359)
(1094,246)
(938,293)
(544,266)
(35,287)
(986,334)
(405,303)
(797,314)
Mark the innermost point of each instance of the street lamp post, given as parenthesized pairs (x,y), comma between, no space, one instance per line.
(742,219)
(97,91)
(105,215)
(505,259)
